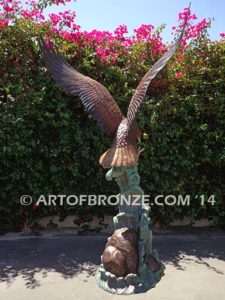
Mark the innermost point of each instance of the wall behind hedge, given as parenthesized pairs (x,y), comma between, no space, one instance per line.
(50,145)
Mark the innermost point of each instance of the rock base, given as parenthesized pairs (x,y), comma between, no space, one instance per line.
(132,283)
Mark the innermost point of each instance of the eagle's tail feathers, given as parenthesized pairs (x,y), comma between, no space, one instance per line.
(118,157)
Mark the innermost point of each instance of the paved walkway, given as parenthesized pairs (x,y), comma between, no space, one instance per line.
(62,266)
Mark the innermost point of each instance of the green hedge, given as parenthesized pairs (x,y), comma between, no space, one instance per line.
(50,145)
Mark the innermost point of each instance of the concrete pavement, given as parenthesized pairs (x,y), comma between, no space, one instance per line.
(62,266)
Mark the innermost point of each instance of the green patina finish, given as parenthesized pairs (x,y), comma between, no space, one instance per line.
(132,215)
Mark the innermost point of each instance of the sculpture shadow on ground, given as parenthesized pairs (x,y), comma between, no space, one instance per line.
(70,256)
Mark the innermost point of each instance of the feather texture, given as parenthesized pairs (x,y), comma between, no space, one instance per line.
(94,96)
(117,157)
(141,90)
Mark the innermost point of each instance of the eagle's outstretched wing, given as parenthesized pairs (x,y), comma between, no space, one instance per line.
(141,90)
(94,96)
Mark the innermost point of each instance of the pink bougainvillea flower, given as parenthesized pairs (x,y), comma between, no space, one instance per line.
(32,14)
(8,9)
(55,19)
(76,27)
(120,31)
(47,43)
(35,206)
(144,31)
(179,75)
(222,35)
(3,24)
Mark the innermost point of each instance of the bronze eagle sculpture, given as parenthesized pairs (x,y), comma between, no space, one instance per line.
(97,100)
